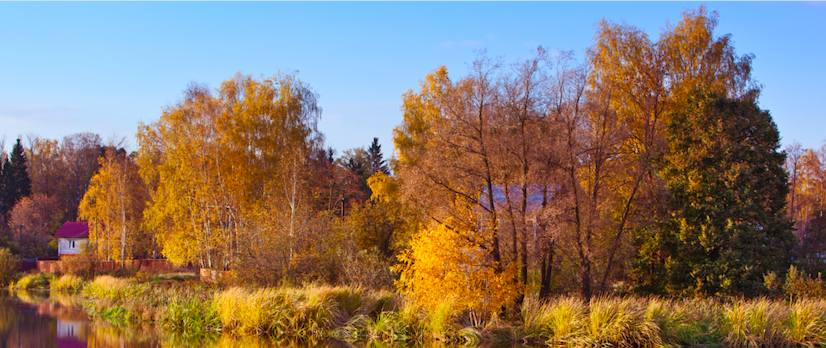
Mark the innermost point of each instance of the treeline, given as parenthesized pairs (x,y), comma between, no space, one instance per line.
(646,167)
(649,168)
(43,182)
(238,179)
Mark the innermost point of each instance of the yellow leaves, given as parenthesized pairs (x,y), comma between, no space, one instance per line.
(116,198)
(441,264)
(421,111)
(384,188)
(220,163)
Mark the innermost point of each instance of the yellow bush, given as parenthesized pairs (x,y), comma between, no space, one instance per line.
(441,266)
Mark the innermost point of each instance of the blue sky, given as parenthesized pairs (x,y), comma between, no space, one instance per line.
(103,67)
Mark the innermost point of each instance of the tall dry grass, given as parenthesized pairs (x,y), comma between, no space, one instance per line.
(67,282)
(32,281)
(316,312)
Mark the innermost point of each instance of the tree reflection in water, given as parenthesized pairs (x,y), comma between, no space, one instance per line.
(44,319)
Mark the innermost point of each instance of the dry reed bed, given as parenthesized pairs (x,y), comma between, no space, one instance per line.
(358,314)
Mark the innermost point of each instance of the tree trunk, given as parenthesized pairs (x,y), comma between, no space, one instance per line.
(545,272)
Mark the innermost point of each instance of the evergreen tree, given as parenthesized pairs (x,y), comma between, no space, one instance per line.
(5,205)
(15,177)
(377,163)
(728,225)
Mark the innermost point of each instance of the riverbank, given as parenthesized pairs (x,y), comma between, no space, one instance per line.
(358,314)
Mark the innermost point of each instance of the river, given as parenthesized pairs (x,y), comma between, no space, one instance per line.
(35,319)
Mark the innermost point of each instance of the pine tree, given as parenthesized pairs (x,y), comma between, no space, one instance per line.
(377,164)
(15,177)
(5,205)
(728,225)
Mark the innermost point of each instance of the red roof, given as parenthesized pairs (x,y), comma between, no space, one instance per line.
(73,230)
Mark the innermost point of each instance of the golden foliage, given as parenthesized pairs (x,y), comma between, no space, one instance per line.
(113,205)
(221,165)
(442,265)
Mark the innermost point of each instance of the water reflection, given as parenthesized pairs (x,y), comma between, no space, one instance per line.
(43,319)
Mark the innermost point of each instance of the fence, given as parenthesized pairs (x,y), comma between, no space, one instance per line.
(74,264)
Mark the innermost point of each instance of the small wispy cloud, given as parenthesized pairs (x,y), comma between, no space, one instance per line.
(531,44)
(463,43)
(32,114)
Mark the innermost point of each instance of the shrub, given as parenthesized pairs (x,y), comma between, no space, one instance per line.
(8,266)
(442,266)
(798,285)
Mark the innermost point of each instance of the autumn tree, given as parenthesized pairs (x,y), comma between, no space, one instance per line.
(63,169)
(446,157)
(33,224)
(113,206)
(444,267)
(478,144)
(807,170)
(643,83)
(335,184)
(221,166)
(80,154)
(383,223)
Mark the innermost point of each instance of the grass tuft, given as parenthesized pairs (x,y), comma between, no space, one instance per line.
(32,281)
(67,282)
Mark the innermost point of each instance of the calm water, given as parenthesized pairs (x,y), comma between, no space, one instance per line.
(43,319)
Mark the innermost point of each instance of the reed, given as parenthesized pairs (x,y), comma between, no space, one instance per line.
(751,324)
(685,322)
(318,312)
(806,324)
(67,282)
(110,288)
(32,281)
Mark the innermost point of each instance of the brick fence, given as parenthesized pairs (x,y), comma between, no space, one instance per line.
(212,276)
(68,265)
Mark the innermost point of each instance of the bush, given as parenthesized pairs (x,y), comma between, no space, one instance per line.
(8,266)
(798,285)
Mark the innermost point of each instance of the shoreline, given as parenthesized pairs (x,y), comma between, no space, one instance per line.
(359,315)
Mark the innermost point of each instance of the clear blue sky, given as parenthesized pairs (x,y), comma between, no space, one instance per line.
(103,67)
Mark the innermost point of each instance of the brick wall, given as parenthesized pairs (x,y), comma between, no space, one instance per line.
(69,264)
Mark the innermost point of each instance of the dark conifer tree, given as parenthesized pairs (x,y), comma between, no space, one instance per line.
(5,205)
(15,178)
(377,163)
(728,224)
(19,173)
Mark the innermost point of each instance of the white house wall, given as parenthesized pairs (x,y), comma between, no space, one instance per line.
(64,246)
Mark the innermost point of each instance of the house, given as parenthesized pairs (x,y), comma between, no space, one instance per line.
(510,198)
(72,239)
